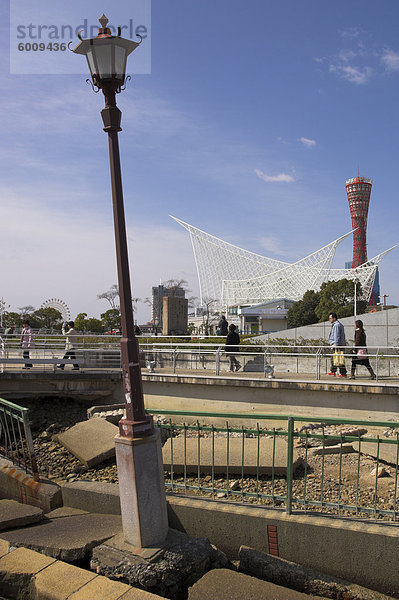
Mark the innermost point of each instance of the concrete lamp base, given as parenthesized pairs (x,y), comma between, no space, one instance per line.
(142,490)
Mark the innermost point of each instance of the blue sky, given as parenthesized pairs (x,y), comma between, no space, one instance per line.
(251,119)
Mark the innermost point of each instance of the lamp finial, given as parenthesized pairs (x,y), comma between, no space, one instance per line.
(103,21)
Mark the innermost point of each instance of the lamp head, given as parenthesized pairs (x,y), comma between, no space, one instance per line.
(106,56)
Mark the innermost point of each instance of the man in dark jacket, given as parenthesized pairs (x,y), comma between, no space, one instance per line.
(223,326)
(232,341)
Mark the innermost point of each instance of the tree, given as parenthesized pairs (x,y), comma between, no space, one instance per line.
(111,295)
(303,312)
(111,319)
(80,322)
(209,317)
(88,325)
(12,318)
(174,285)
(46,318)
(93,325)
(338,297)
(26,311)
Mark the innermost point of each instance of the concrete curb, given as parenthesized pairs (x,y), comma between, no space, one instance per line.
(34,576)
(16,484)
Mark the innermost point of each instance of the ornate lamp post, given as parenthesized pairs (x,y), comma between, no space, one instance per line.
(106,56)
(138,449)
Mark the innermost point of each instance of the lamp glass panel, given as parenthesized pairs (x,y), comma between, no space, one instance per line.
(120,61)
(90,61)
(104,60)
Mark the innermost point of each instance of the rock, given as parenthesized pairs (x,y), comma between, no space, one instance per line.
(344,448)
(235,485)
(382,472)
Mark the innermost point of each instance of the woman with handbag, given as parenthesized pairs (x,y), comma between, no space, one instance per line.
(360,349)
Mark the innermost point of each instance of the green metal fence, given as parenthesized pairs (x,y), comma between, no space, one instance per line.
(16,441)
(352,471)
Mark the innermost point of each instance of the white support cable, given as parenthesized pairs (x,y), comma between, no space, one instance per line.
(234,276)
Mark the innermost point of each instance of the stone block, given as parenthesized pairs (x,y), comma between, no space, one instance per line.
(93,496)
(189,453)
(14,514)
(59,581)
(92,442)
(17,569)
(4,548)
(101,588)
(136,594)
(16,484)
(224,584)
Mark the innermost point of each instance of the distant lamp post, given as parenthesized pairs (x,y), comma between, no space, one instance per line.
(355,281)
(138,449)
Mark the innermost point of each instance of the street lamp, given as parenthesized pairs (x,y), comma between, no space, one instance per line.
(106,56)
(137,447)
(355,281)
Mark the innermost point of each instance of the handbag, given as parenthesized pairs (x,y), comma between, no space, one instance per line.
(362,352)
(338,358)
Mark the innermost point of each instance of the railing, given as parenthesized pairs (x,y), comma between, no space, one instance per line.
(277,466)
(103,352)
(271,361)
(16,441)
(47,352)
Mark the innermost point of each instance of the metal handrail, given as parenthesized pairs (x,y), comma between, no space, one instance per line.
(16,442)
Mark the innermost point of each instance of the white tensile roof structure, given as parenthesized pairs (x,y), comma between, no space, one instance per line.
(234,276)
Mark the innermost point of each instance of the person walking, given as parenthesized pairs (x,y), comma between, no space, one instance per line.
(337,342)
(360,349)
(232,341)
(26,341)
(223,326)
(70,344)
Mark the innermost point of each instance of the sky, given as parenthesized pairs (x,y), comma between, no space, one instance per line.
(243,119)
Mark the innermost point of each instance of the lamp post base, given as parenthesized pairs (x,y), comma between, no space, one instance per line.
(142,490)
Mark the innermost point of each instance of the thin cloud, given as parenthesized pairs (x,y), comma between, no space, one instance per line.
(351,33)
(280,178)
(272,244)
(390,60)
(352,73)
(307,142)
(351,63)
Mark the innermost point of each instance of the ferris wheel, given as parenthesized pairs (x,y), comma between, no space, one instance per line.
(59,305)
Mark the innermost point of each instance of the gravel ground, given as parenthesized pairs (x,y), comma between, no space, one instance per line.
(51,416)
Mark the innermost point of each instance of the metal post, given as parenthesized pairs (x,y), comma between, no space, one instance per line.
(136,423)
(217,365)
(290,463)
(355,300)
(376,365)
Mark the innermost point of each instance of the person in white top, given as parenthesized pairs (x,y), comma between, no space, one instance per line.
(26,341)
(70,344)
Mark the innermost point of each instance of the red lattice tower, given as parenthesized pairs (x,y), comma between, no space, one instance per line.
(358,191)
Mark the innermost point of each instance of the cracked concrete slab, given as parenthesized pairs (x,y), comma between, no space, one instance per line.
(219,454)
(14,514)
(67,538)
(92,442)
